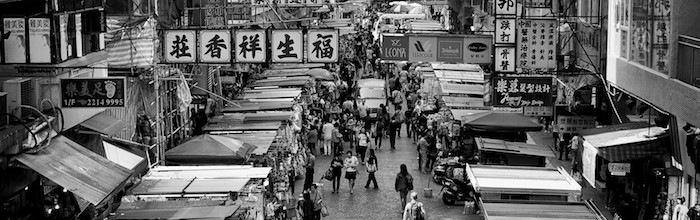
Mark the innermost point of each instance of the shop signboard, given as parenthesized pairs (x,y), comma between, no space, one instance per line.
(287,46)
(92,92)
(214,14)
(538,4)
(395,47)
(522,91)
(619,169)
(322,46)
(215,46)
(64,46)
(15,41)
(450,49)
(180,46)
(537,43)
(251,46)
(588,163)
(574,124)
(505,31)
(505,58)
(291,3)
(422,49)
(505,7)
(39,40)
(478,49)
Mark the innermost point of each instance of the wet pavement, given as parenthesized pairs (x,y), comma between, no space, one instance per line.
(382,203)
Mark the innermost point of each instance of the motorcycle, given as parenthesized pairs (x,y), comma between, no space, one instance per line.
(455,190)
(444,171)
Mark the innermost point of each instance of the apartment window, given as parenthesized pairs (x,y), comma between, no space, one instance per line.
(688,60)
(642,29)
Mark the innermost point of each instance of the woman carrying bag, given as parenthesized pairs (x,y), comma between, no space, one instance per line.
(363,143)
(372,167)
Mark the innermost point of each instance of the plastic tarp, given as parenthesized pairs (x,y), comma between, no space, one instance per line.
(210,149)
(500,122)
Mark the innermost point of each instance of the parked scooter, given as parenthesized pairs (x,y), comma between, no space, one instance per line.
(454,190)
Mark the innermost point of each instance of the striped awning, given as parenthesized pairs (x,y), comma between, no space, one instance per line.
(628,141)
(135,46)
(636,150)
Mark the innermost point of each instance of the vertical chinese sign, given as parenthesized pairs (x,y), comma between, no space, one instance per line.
(518,92)
(537,42)
(180,46)
(215,46)
(92,92)
(251,46)
(287,46)
(15,41)
(39,40)
(505,36)
(322,46)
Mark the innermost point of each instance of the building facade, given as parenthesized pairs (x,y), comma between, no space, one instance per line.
(654,58)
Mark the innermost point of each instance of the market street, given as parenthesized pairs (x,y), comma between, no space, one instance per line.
(383,203)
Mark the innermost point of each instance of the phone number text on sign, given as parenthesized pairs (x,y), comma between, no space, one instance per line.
(93,92)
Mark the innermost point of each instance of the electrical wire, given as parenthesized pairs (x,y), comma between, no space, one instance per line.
(48,136)
(54,108)
(26,127)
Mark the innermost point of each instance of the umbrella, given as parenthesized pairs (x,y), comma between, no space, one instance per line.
(500,122)
(319,73)
(210,149)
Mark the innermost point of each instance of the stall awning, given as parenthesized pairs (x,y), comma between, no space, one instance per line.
(262,141)
(462,102)
(249,117)
(243,126)
(500,122)
(288,83)
(204,212)
(122,157)
(209,172)
(77,169)
(466,89)
(210,149)
(271,94)
(189,186)
(104,123)
(528,211)
(246,106)
(628,141)
(496,145)
(521,180)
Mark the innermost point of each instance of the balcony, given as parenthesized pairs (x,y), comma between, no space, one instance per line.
(688,60)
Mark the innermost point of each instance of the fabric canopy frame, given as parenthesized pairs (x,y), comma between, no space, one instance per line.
(500,122)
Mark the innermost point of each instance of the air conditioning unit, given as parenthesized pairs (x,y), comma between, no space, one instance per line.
(20,91)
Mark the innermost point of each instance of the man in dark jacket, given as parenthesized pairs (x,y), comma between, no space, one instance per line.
(403,184)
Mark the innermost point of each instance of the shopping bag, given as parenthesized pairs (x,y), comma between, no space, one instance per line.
(324,211)
(329,174)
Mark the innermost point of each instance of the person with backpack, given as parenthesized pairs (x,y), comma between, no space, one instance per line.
(372,167)
(414,210)
(403,183)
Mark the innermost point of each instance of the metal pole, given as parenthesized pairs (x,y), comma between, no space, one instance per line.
(156,85)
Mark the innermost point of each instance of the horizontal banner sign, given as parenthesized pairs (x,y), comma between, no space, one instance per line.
(522,91)
(475,49)
(92,92)
(250,46)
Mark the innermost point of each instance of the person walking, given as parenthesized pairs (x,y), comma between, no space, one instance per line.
(337,171)
(310,163)
(336,138)
(680,211)
(312,139)
(423,146)
(327,137)
(363,143)
(350,164)
(403,183)
(431,154)
(395,127)
(576,143)
(414,210)
(305,207)
(372,167)
(378,134)
(563,146)
(317,198)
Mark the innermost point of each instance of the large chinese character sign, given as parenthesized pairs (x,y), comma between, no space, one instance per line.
(505,59)
(251,46)
(522,91)
(215,46)
(287,46)
(506,7)
(92,92)
(322,46)
(180,46)
(505,31)
(537,43)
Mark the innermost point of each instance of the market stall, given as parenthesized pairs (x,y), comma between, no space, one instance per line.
(209,149)
(500,152)
(500,122)
(249,106)
(189,190)
(498,210)
(523,183)
(286,82)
